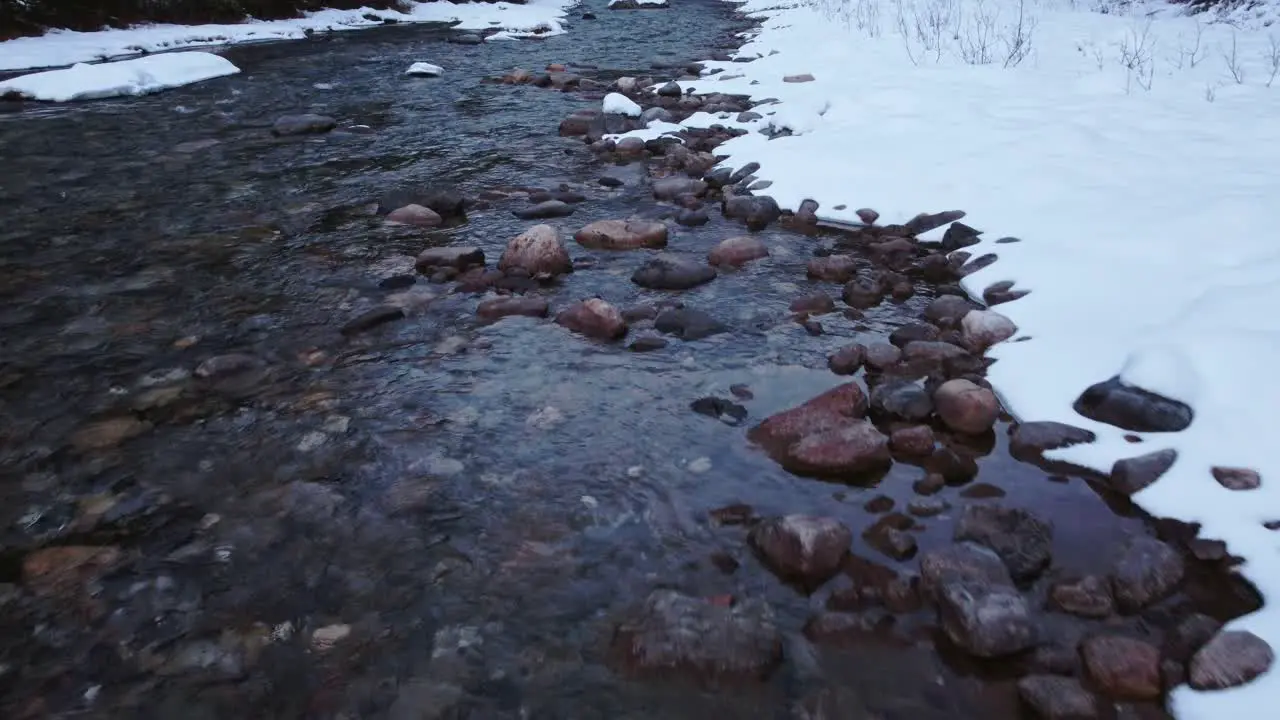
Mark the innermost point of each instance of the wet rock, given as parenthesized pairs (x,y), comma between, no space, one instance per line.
(889,536)
(672,272)
(815,304)
(633,146)
(468,39)
(64,572)
(961,563)
(965,407)
(948,308)
(913,332)
(677,636)
(842,627)
(669,188)
(302,125)
(1031,439)
(802,548)
(1130,475)
(731,413)
(692,218)
(106,434)
(980,329)
(671,89)
(622,235)
(901,400)
(495,309)
(737,251)
(445,200)
(220,366)
(928,507)
(581,122)
(912,441)
(757,211)
(647,343)
(1088,597)
(1146,570)
(688,324)
(459,258)
(536,251)
(847,360)
(1230,659)
(370,319)
(544,210)
(986,620)
(954,467)
(924,222)
(593,318)
(415,215)
(835,408)
(930,484)
(1022,540)
(832,268)
(1237,478)
(882,355)
(1123,667)
(1052,697)
(862,292)
(1132,408)
(931,352)
(1188,636)
(851,449)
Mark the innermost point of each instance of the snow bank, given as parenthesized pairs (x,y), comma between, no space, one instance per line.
(1137,156)
(62,47)
(424,69)
(619,104)
(139,76)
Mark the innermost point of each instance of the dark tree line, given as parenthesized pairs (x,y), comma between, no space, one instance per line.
(31,17)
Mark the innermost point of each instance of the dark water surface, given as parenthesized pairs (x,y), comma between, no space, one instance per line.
(477,505)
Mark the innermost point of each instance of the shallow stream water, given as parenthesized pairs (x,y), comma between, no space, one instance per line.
(477,505)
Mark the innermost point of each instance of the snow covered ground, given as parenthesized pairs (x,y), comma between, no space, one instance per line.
(61,48)
(1136,153)
(138,76)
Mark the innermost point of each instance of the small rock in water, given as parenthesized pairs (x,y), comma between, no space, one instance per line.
(737,251)
(424,69)
(966,407)
(368,320)
(303,125)
(416,215)
(803,548)
(683,636)
(688,324)
(1022,540)
(1123,667)
(1146,570)
(965,562)
(1088,597)
(692,218)
(544,210)
(594,318)
(497,308)
(468,39)
(912,441)
(730,413)
(671,272)
(622,235)
(980,329)
(459,258)
(986,620)
(537,251)
(847,360)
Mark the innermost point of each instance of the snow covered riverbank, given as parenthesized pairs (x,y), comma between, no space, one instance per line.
(1135,154)
(61,48)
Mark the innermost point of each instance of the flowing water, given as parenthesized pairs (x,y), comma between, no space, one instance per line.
(475,506)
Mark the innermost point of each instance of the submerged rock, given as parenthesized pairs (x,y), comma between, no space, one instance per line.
(594,318)
(672,272)
(622,235)
(537,251)
(305,124)
(802,548)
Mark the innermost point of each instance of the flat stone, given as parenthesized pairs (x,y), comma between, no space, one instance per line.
(1230,659)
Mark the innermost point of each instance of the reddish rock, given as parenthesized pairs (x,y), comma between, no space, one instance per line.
(1052,697)
(1088,597)
(1237,478)
(680,637)
(537,251)
(966,407)
(415,215)
(965,562)
(913,441)
(1123,667)
(62,572)
(802,548)
(832,268)
(851,449)
(847,360)
(494,309)
(737,251)
(814,304)
(1231,658)
(1022,540)
(882,355)
(594,318)
(980,329)
(622,235)
(944,308)
(834,408)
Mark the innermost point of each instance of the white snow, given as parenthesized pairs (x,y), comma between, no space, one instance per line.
(139,76)
(1136,153)
(63,47)
(424,69)
(619,104)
